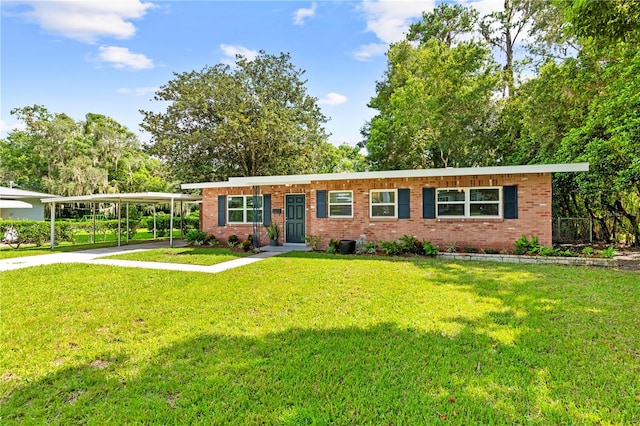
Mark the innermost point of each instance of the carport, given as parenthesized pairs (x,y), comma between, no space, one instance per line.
(153,198)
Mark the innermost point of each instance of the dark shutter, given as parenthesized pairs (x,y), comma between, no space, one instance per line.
(321,203)
(428,203)
(266,209)
(404,211)
(510,200)
(222,209)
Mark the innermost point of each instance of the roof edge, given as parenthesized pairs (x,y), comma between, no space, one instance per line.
(463,171)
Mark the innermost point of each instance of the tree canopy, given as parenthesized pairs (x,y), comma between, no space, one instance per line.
(580,101)
(56,154)
(436,102)
(254,118)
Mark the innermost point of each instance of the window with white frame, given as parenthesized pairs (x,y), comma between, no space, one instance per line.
(469,202)
(383,203)
(240,208)
(340,203)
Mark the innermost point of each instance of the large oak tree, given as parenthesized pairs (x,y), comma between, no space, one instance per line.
(253,118)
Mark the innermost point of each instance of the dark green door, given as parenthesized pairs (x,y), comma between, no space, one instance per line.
(295,207)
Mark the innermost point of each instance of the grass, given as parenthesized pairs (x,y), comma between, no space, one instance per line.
(308,338)
(82,242)
(194,256)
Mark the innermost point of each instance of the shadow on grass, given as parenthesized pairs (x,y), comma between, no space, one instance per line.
(378,375)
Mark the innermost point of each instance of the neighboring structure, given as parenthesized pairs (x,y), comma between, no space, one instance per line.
(18,204)
(481,207)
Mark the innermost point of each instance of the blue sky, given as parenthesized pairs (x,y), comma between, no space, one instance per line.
(109,57)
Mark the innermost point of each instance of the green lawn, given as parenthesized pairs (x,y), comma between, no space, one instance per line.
(82,242)
(190,255)
(84,237)
(308,338)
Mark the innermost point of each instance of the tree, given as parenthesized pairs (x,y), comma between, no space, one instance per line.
(445,24)
(502,31)
(436,107)
(605,22)
(586,109)
(253,119)
(343,158)
(56,154)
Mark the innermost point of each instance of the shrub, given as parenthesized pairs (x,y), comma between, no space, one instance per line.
(190,222)
(588,252)
(233,239)
(163,222)
(410,244)
(195,237)
(371,248)
(470,250)
(313,241)
(490,251)
(430,249)
(210,240)
(247,245)
(333,246)
(391,247)
(452,247)
(524,246)
(18,232)
(607,253)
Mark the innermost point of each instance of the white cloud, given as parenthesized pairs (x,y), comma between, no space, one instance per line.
(87,20)
(368,51)
(231,51)
(6,128)
(146,90)
(138,91)
(301,14)
(333,99)
(484,7)
(121,57)
(390,20)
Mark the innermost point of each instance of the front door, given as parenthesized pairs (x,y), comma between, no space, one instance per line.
(295,207)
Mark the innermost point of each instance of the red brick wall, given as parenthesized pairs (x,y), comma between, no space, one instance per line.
(534,212)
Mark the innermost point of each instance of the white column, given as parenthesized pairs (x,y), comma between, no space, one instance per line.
(53,225)
(171,225)
(118,205)
(127,227)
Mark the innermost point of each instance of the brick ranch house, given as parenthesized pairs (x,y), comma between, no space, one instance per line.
(481,207)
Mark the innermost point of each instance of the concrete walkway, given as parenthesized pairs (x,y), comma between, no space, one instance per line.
(92,256)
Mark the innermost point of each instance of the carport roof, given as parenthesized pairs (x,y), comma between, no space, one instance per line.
(134,197)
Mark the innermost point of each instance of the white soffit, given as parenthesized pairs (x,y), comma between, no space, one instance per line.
(465,171)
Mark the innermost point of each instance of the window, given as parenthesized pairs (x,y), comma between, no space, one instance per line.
(240,208)
(340,203)
(382,203)
(468,202)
